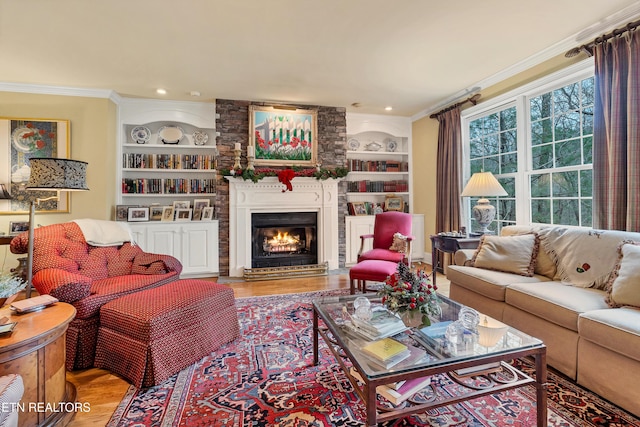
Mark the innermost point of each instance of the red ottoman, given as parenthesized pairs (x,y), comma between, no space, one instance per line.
(148,336)
(370,269)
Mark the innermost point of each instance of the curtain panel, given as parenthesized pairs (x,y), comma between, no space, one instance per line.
(448,211)
(616,136)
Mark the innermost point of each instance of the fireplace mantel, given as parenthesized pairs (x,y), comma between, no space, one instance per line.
(266,195)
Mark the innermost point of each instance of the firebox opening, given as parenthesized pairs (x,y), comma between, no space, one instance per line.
(284,239)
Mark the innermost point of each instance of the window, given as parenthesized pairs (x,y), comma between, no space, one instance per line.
(537,141)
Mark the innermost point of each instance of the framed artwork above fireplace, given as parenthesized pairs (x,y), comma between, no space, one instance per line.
(283,136)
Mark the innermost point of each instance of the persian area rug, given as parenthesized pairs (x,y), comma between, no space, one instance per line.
(266,378)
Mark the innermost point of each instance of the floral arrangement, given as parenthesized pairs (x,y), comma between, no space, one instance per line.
(407,290)
(10,284)
(286,175)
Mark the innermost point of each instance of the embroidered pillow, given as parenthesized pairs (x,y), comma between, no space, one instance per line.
(399,243)
(510,254)
(623,288)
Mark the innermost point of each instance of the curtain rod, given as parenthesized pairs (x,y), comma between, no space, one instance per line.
(588,48)
(472,99)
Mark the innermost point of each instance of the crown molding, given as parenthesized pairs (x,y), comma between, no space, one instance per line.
(56,90)
(616,20)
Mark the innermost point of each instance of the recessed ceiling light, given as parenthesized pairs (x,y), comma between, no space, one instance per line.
(161,91)
(389,108)
(194,93)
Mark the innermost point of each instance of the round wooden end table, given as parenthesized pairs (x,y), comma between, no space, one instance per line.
(36,350)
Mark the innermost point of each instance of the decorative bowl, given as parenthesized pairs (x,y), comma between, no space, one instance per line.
(490,331)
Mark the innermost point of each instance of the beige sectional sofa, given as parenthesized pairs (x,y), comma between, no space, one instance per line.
(574,300)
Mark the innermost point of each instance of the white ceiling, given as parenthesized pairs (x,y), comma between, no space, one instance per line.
(415,55)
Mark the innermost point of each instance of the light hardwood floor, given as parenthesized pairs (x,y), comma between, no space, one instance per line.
(103,390)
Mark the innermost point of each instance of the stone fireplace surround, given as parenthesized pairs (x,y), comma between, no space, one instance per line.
(232,123)
(266,196)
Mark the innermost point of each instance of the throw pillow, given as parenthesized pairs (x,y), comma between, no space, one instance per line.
(623,287)
(511,254)
(61,284)
(399,243)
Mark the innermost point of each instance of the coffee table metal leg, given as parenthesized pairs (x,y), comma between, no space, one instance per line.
(541,388)
(315,337)
(372,410)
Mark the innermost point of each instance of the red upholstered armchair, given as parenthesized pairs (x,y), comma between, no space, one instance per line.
(68,268)
(384,246)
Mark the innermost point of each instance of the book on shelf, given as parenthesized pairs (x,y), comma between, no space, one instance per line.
(385,349)
(396,396)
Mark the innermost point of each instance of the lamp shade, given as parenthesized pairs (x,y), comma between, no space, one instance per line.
(57,174)
(483,184)
(4,194)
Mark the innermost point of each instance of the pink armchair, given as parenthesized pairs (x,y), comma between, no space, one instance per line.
(68,268)
(385,226)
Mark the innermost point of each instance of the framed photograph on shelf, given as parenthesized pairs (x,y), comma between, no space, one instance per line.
(17,227)
(181,204)
(20,141)
(200,204)
(207,214)
(283,136)
(138,214)
(122,212)
(167,213)
(183,214)
(155,213)
(359,208)
(393,203)
(197,215)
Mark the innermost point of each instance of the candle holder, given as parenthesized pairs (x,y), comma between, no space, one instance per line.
(236,163)
(250,159)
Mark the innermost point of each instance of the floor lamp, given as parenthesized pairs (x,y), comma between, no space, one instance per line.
(483,184)
(51,174)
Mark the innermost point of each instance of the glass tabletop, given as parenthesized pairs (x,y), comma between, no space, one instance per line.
(457,335)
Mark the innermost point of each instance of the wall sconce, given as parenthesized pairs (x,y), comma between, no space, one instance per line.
(51,174)
(483,184)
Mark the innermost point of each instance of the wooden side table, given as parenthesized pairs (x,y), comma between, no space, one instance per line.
(450,245)
(36,350)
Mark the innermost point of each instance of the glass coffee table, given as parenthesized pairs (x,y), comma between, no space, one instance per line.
(481,369)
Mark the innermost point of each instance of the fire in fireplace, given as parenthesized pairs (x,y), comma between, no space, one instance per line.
(284,239)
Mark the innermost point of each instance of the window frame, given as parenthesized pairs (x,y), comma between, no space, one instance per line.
(519,98)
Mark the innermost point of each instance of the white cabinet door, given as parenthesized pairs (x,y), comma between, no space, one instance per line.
(200,248)
(357,226)
(163,239)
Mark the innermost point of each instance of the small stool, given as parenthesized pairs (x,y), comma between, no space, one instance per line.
(371,269)
(148,336)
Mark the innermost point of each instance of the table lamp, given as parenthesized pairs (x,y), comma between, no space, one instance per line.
(51,174)
(483,184)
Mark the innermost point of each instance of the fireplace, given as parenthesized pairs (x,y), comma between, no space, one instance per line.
(284,239)
(310,197)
